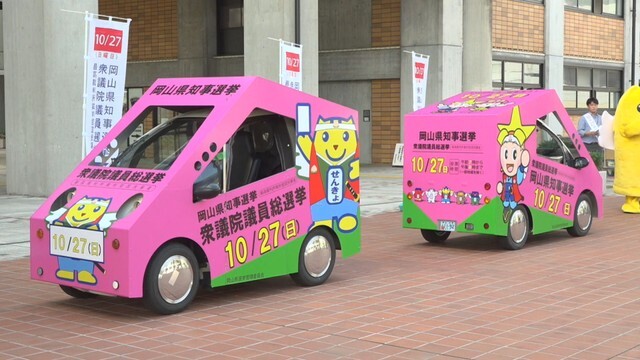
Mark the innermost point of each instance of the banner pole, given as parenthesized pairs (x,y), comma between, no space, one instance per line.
(84,79)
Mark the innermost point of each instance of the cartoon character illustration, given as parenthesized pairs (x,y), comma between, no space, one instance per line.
(454,106)
(431,195)
(489,104)
(626,124)
(445,195)
(334,171)
(461,197)
(417,194)
(514,161)
(475,197)
(87,213)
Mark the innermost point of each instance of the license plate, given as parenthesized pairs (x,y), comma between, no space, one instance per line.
(446,225)
(77,243)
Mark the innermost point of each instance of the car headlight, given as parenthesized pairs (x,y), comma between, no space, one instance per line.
(63,199)
(129,206)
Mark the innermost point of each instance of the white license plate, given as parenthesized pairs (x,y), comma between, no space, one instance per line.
(77,243)
(446,225)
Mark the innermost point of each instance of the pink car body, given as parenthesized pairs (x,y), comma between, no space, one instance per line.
(241,178)
(507,163)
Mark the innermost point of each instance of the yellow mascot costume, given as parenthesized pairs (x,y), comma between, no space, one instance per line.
(626,126)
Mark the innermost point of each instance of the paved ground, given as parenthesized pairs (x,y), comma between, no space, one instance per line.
(401,298)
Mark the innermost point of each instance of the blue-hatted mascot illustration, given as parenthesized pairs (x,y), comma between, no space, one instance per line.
(88,213)
(332,155)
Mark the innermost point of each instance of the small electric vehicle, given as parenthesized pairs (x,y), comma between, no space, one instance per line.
(506,163)
(233,180)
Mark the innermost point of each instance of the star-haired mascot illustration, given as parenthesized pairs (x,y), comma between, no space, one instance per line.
(514,161)
(332,155)
(626,125)
(88,213)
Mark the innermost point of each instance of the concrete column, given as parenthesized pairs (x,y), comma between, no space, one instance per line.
(628,44)
(44,67)
(310,48)
(2,121)
(476,54)
(193,37)
(434,28)
(276,19)
(554,45)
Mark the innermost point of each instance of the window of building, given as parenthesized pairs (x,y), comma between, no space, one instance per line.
(581,83)
(609,7)
(516,75)
(230,27)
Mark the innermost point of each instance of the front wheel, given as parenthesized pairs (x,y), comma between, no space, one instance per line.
(517,229)
(317,258)
(171,280)
(582,217)
(434,236)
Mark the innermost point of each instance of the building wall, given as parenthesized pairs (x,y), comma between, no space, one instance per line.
(385,23)
(344,24)
(385,114)
(153,33)
(593,36)
(356,95)
(385,93)
(518,25)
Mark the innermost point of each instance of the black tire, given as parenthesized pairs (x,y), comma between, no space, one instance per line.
(518,229)
(436,237)
(317,258)
(582,216)
(172,279)
(77,293)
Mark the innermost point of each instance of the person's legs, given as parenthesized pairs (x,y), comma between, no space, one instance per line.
(595,148)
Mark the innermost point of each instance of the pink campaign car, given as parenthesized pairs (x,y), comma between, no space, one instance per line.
(507,163)
(233,180)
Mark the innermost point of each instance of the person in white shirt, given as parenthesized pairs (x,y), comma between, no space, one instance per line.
(589,127)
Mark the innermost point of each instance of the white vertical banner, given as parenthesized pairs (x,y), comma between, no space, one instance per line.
(419,73)
(291,65)
(105,70)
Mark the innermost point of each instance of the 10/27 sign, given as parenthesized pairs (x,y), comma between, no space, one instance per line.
(108,40)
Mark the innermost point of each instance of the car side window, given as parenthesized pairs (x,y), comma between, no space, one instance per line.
(263,146)
(554,142)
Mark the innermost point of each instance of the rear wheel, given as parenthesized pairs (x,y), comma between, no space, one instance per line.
(582,217)
(171,280)
(77,293)
(434,236)
(317,258)
(517,229)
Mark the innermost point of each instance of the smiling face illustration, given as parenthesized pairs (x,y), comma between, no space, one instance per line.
(87,211)
(510,158)
(335,140)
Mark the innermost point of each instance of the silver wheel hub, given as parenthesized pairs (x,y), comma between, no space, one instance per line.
(518,226)
(317,256)
(175,279)
(583,215)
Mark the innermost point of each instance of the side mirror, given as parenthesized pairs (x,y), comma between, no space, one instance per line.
(208,184)
(580,162)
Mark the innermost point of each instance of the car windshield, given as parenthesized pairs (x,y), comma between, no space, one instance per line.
(158,147)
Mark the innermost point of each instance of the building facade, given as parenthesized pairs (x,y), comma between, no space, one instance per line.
(357,53)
